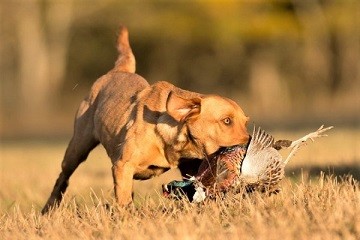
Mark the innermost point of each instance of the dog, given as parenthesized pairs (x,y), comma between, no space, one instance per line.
(146,129)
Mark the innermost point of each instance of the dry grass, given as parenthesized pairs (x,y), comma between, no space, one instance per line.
(309,206)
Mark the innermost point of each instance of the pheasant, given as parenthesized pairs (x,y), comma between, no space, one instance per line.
(255,166)
(263,167)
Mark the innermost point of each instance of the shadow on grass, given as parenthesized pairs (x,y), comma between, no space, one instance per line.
(334,170)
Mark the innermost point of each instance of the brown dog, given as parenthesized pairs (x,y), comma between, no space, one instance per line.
(146,129)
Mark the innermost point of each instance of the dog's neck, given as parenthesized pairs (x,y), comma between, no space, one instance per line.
(183,146)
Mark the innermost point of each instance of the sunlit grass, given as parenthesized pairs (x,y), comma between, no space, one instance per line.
(316,207)
(326,209)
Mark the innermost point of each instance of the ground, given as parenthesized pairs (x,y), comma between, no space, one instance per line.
(312,204)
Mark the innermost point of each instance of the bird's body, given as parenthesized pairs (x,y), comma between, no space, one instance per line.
(263,167)
(256,166)
(221,171)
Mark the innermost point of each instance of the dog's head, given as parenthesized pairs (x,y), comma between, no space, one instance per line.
(211,120)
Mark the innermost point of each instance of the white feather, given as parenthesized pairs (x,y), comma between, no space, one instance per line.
(260,154)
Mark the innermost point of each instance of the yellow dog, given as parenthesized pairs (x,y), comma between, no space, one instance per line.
(146,129)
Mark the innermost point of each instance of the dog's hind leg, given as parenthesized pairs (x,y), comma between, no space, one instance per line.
(77,151)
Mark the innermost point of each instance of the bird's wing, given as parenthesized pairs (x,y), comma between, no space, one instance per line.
(260,140)
(260,154)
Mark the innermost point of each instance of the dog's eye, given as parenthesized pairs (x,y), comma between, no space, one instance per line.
(227,121)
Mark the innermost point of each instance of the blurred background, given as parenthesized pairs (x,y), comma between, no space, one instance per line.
(287,63)
(292,65)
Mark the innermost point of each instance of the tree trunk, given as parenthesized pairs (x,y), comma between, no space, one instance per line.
(43,41)
(33,59)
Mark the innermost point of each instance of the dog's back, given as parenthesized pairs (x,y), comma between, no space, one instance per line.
(122,77)
(113,94)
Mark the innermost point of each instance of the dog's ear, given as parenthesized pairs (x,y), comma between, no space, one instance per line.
(182,109)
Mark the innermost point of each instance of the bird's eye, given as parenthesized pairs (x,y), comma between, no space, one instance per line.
(227,121)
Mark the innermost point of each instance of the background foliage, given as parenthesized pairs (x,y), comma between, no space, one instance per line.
(288,63)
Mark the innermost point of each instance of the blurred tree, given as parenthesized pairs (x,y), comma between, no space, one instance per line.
(43,33)
(265,53)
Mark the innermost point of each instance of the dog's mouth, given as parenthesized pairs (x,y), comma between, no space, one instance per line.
(227,150)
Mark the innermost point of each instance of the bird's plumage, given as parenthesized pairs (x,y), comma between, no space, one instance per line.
(255,166)
(263,166)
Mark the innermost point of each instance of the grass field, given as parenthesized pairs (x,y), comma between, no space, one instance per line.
(311,205)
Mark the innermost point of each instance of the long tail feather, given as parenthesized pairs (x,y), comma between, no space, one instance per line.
(295,145)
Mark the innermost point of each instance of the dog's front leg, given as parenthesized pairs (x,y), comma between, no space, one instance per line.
(123,173)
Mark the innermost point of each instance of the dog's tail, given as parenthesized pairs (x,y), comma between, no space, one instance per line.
(126,60)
